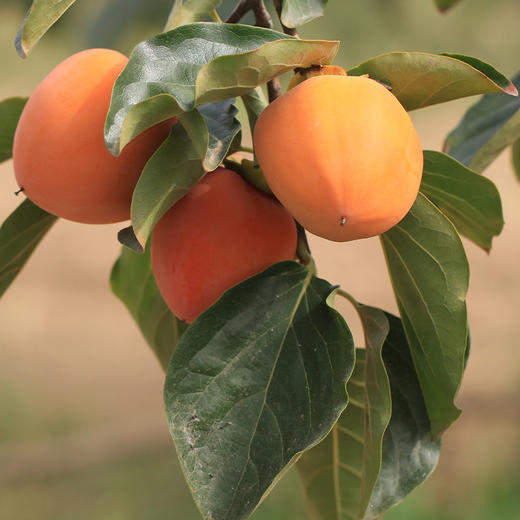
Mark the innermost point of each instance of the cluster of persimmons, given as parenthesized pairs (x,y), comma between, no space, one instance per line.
(340,155)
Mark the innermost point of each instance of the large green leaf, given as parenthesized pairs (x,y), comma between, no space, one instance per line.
(515,157)
(197,64)
(488,127)
(430,274)
(444,5)
(10,112)
(19,235)
(469,200)
(340,473)
(298,12)
(409,454)
(39,18)
(256,379)
(419,79)
(188,11)
(132,281)
(193,148)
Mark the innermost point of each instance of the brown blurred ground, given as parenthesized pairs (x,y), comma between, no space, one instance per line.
(73,360)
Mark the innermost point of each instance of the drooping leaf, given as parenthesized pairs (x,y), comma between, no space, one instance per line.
(469,200)
(299,12)
(20,233)
(487,128)
(181,161)
(39,18)
(409,454)
(132,281)
(255,104)
(419,79)
(444,5)
(515,157)
(188,11)
(332,471)
(340,473)
(10,112)
(197,64)
(429,273)
(256,379)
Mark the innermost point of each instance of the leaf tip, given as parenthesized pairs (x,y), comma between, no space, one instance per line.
(128,238)
(511,89)
(18,43)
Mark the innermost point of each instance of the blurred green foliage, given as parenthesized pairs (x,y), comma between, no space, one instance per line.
(150,485)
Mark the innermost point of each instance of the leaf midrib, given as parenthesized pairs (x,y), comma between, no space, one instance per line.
(305,284)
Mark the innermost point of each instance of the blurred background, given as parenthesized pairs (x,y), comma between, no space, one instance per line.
(82,428)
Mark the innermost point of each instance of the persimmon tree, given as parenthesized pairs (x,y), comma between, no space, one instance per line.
(269,377)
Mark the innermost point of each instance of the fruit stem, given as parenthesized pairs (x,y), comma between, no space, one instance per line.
(274,90)
(303,251)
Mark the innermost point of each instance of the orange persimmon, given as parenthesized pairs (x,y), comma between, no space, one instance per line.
(222,232)
(342,155)
(60,158)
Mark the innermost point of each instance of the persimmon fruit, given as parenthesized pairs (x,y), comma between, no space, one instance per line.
(222,232)
(59,153)
(342,155)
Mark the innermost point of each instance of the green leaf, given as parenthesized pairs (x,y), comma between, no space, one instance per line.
(469,200)
(132,281)
(332,471)
(487,128)
(419,79)
(10,112)
(255,104)
(409,454)
(256,379)
(19,235)
(430,274)
(340,473)
(444,5)
(197,64)
(188,11)
(299,12)
(515,157)
(335,471)
(181,161)
(39,18)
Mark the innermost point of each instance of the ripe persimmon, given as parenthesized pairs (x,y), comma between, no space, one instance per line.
(342,155)
(222,232)
(60,158)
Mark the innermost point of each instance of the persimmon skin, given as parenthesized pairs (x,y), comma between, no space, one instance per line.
(342,155)
(59,154)
(222,232)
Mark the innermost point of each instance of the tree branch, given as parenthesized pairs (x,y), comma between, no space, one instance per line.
(262,19)
(262,16)
(278,4)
